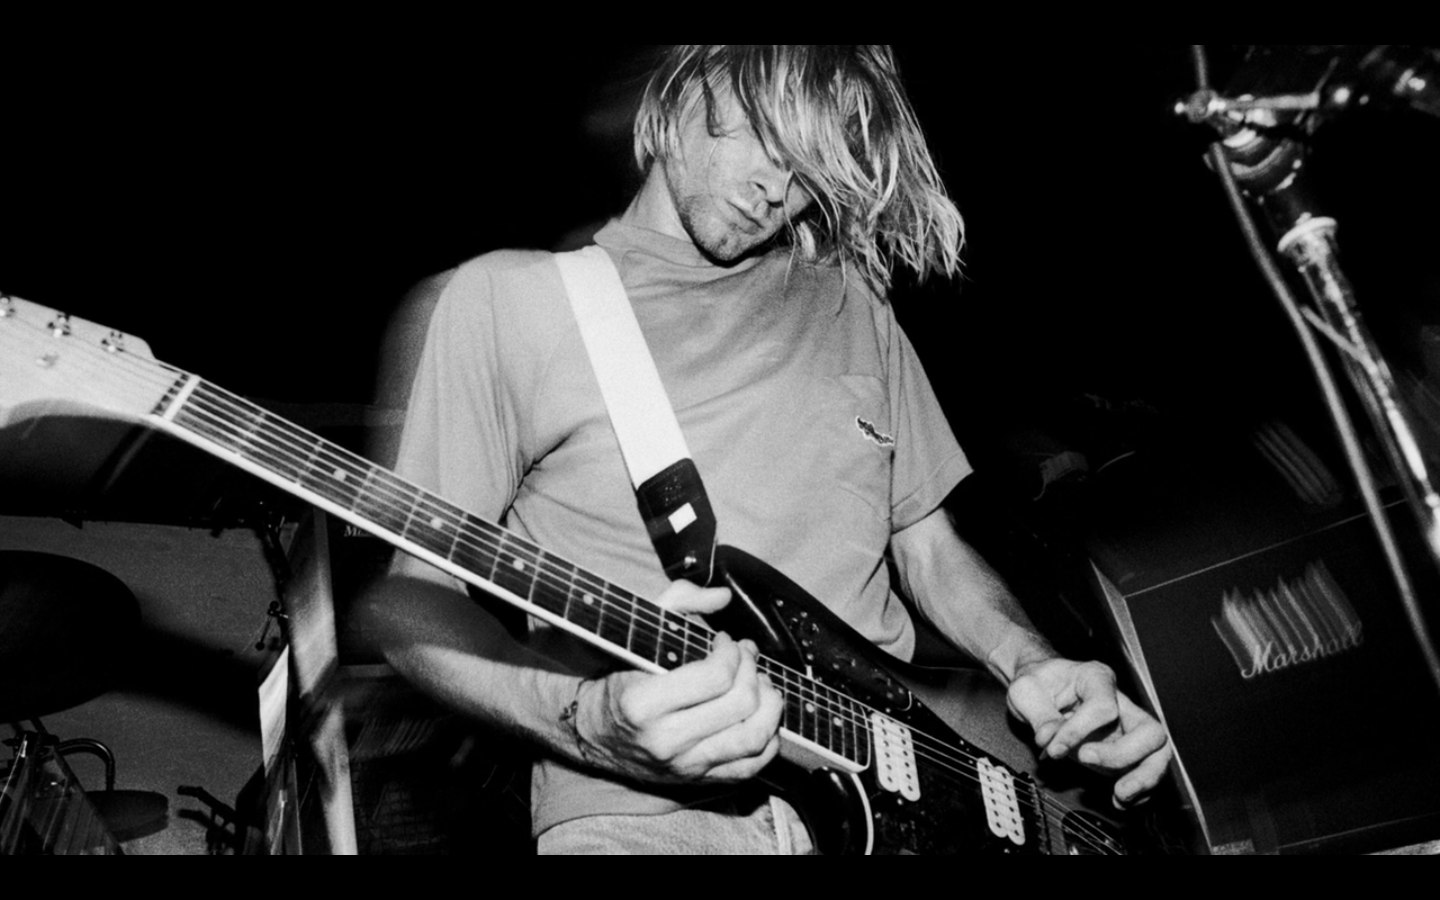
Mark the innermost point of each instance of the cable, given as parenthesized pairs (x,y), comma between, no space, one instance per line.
(1344,426)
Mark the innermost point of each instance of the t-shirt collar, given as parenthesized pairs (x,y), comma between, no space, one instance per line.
(621,237)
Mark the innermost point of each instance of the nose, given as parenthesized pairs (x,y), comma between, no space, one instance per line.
(768,187)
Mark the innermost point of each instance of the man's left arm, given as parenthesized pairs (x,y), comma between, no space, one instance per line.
(1072,706)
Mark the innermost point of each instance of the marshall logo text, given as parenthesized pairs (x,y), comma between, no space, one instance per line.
(1300,620)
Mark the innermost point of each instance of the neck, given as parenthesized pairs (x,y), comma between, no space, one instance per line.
(652,208)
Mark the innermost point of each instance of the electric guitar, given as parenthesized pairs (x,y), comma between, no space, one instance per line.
(874,768)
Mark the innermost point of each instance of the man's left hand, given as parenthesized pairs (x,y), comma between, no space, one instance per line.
(1076,710)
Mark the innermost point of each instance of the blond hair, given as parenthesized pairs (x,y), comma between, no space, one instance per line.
(836,116)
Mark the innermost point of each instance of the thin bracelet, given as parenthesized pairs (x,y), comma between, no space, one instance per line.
(569,717)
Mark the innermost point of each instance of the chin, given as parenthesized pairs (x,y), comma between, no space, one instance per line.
(731,247)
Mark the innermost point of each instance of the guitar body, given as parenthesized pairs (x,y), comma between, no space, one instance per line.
(861,812)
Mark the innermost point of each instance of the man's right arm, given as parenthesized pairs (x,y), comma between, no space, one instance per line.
(714,719)
(471,399)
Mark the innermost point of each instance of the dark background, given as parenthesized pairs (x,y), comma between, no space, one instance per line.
(257,211)
(256,208)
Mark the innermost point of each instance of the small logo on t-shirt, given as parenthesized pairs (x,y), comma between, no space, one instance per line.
(874,435)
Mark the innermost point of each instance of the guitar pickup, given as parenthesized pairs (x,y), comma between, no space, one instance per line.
(895,768)
(1002,807)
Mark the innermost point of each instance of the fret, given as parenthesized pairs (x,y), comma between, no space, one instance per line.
(792,717)
(476,545)
(838,725)
(313,448)
(585,602)
(672,644)
(435,525)
(259,446)
(282,449)
(207,423)
(553,583)
(646,632)
(405,496)
(242,428)
(857,729)
(809,713)
(837,717)
(286,446)
(235,425)
(651,633)
(839,720)
(272,459)
(514,569)
(617,618)
(386,505)
(334,479)
(591,607)
(820,715)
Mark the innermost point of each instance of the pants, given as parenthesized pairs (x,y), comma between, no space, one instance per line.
(771,828)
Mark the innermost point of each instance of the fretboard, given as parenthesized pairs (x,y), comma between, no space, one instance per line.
(615,620)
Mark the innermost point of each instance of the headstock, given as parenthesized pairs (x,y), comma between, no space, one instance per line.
(53,363)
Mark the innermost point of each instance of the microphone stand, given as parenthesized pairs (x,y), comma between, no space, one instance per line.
(1257,155)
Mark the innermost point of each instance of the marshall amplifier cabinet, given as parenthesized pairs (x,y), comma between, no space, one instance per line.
(1271,639)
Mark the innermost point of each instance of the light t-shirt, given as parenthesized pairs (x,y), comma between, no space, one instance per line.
(804,407)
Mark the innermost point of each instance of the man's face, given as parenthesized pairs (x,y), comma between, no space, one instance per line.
(729,195)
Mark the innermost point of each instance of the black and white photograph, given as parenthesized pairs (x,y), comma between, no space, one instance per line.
(436,446)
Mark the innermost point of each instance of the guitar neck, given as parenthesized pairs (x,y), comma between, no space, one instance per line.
(623,625)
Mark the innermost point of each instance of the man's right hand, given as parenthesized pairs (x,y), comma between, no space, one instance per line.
(716,719)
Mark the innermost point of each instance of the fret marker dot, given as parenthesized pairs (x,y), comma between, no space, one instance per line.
(673,626)
(339,474)
(810,707)
(587,599)
(671,656)
(518,565)
(436,522)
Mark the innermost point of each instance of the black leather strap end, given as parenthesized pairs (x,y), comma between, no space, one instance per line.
(680,521)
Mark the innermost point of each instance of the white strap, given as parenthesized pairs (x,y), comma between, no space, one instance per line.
(640,411)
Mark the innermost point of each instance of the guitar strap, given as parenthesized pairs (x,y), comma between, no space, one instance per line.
(668,489)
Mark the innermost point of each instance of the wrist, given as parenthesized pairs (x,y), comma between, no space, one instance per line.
(1020,649)
(577,745)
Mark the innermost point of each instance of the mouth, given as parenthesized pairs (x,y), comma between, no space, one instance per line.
(747,222)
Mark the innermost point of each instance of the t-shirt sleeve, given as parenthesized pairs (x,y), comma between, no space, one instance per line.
(462,436)
(928,462)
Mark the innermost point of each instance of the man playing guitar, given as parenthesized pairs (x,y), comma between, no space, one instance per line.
(781,183)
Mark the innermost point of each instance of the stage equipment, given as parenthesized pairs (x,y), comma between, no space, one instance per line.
(66,628)
(1278,97)
(1271,640)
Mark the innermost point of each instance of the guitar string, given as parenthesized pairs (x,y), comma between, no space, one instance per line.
(566,584)
(803,690)
(166,378)
(221,426)
(546,573)
(315,450)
